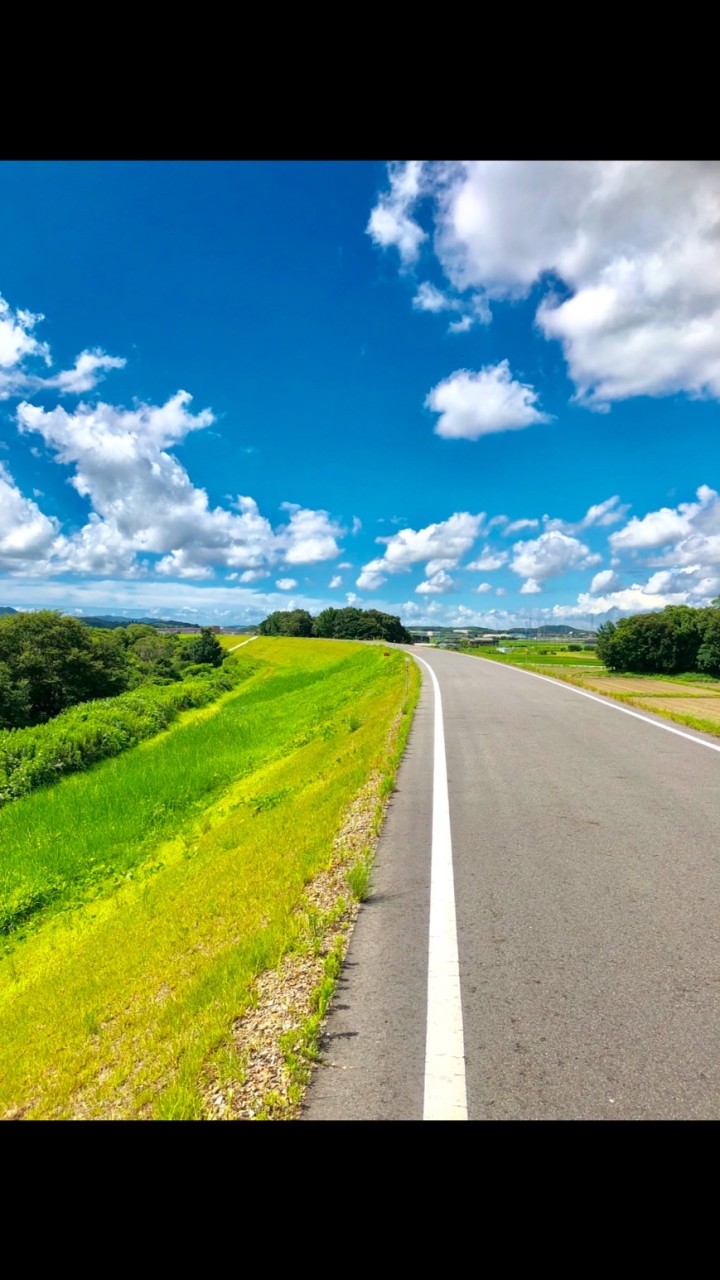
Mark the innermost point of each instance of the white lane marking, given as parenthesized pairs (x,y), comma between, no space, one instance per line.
(561,684)
(445,1095)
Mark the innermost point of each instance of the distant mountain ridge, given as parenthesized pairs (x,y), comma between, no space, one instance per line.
(559,630)
(111,620)
(123,620)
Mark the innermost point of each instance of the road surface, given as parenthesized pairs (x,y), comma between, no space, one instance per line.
(574,968)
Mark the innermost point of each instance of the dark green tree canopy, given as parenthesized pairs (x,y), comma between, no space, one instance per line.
(203,648)
(678,638)
(290,622)
(337,624)
(58,661)
(49,662)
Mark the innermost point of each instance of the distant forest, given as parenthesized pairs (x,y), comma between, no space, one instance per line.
(337,624)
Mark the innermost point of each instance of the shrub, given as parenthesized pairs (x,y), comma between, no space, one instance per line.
(82,735)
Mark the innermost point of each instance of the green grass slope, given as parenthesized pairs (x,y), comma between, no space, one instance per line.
(161,883)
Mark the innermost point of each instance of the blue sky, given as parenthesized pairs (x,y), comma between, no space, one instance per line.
(467,393)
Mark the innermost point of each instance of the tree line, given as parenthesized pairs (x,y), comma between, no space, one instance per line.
(678,638)
(49,662)
(337,624)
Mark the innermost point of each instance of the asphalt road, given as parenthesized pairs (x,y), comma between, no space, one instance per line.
(586,864)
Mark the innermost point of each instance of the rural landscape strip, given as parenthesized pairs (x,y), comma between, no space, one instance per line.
(605,702)
(445,1095)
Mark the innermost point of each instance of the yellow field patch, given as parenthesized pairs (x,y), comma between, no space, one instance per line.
(702,708)
(647,686)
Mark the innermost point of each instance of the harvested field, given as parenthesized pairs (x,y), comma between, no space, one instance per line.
(646,686)
(706,708)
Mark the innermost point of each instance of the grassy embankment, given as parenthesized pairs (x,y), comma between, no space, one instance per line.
(233,642)
(176,873)
(689,699)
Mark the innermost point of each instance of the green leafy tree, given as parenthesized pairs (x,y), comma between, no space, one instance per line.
(338,624)
(649,643)
(59,661)
(708,658)
(204,648)
(290,622)
(324,624)
(156,656)
(14,700)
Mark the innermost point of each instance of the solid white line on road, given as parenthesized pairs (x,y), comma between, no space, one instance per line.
(562,684)
(445,1091)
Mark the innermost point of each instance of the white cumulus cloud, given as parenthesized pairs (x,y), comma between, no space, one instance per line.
(489,559)
(18,345)
(429,298)
(144,502)
(85,373)
(605,580)
(440,545)
(633,246)
(477,404)
(597,516)
(286,584)
(26,535)
(670,524)
(438,584)
(549,556)
(390,221)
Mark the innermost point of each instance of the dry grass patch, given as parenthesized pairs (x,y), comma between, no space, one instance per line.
(644,686)
(707,708)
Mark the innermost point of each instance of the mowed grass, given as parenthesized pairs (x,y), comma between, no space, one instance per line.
(233,642)
(119,1006)
(227,642)
(60,842)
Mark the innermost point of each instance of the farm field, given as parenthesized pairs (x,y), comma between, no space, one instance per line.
(147,899)
(651,685)
(541,653)
(688,699)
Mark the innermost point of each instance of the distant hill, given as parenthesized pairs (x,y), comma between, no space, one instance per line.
(518,632)
(112,620)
